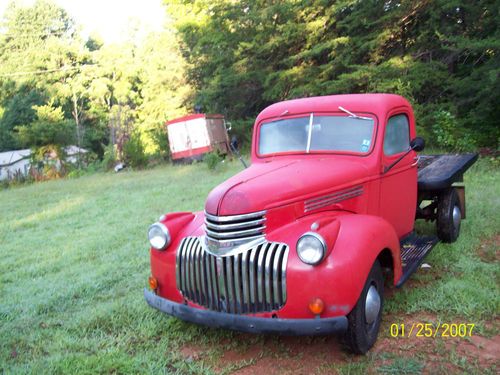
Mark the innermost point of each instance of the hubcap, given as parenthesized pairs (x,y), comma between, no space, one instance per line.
(372,305)
(457,215)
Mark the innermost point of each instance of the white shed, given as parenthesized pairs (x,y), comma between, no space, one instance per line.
(11,162)
(18,161)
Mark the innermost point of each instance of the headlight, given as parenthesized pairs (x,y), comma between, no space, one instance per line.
(311,248)
(159,236)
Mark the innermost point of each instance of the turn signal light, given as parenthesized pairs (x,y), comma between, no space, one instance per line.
(153,283)
(316,306)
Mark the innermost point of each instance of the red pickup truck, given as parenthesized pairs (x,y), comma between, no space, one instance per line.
(301,241)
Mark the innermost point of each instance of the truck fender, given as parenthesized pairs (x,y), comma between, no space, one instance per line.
(361,240)
(176,221)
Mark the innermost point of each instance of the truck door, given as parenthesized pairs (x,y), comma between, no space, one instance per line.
(398,190)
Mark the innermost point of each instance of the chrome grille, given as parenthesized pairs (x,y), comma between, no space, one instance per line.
(237,228)
(249,282)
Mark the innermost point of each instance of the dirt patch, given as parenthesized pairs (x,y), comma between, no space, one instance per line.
(315,355)
(191,353)
(438,354)
(286,355)
(489,249)
(485,350)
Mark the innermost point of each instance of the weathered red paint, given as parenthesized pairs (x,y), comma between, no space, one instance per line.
(192,117)
(191,152)
(356,230)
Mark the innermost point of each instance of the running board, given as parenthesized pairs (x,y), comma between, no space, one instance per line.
(413,251)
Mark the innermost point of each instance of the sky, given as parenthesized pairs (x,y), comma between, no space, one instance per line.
(109,18)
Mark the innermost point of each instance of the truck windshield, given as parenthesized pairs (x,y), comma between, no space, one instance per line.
(316,133)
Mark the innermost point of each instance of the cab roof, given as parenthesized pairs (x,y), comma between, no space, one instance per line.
(378,104)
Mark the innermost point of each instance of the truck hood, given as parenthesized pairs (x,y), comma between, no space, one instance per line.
(271,184)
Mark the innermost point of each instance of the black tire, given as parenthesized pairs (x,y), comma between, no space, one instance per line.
(361,335)
(449,216)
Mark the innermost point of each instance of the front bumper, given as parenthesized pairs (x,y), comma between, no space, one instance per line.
(295,327)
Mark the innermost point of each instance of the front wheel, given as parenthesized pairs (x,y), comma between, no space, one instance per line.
(364,319)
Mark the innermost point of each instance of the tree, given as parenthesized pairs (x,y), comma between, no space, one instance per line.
(50,128)
(164,89)
(441,55)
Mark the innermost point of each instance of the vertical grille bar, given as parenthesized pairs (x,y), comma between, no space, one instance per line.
(186,267)
(208,285)
(237,282)
(277,275)
(178,264)
(253,278)
(192,274)
(283,275)
(200,292)
(221,266)
(215,281)
(250,282)
(182,266)
(245,281)
(261,299)
(231,284)
(268,276)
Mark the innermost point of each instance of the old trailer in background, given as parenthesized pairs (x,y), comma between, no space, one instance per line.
(191,136)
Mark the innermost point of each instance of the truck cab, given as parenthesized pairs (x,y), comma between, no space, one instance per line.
(297,243)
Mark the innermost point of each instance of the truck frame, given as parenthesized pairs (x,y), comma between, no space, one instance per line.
(301,242)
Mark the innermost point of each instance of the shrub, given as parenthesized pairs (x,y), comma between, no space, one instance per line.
(449,135)
(212,159)
(109,158)
(133,152)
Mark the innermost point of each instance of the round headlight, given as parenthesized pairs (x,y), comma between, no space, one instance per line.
(311,248)
(159,236)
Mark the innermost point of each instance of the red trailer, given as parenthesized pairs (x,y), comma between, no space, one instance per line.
(191,136)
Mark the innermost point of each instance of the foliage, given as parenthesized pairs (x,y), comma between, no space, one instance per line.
(133,152)
(109,158)
(448,136)
(160,139)
(212,159)
(236,57)
(105,92)
(49,128)
(244,55)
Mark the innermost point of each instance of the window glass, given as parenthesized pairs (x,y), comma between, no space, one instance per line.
(284,135)
(327,133)
(397,135)
(341,133)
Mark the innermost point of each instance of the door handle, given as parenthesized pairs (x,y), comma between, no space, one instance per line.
(416,158)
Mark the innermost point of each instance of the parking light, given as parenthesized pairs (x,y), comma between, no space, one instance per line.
(316,306)
(153,283)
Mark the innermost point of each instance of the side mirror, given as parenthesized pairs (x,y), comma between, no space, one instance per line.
(417,144)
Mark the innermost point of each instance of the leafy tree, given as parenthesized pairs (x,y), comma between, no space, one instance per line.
(49,128)
(442,55)
(164,89)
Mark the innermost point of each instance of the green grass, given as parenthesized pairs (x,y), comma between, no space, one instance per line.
(462,281)
(74,260)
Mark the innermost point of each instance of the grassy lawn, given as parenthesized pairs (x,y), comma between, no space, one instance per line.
(74,261)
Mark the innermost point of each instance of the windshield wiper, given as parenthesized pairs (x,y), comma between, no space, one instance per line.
(353,115)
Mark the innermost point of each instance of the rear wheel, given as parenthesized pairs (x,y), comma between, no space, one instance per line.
(449,216)
(364,319)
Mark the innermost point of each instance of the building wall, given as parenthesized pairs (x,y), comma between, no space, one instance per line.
(13,161)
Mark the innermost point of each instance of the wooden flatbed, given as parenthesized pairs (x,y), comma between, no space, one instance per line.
(437,172)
